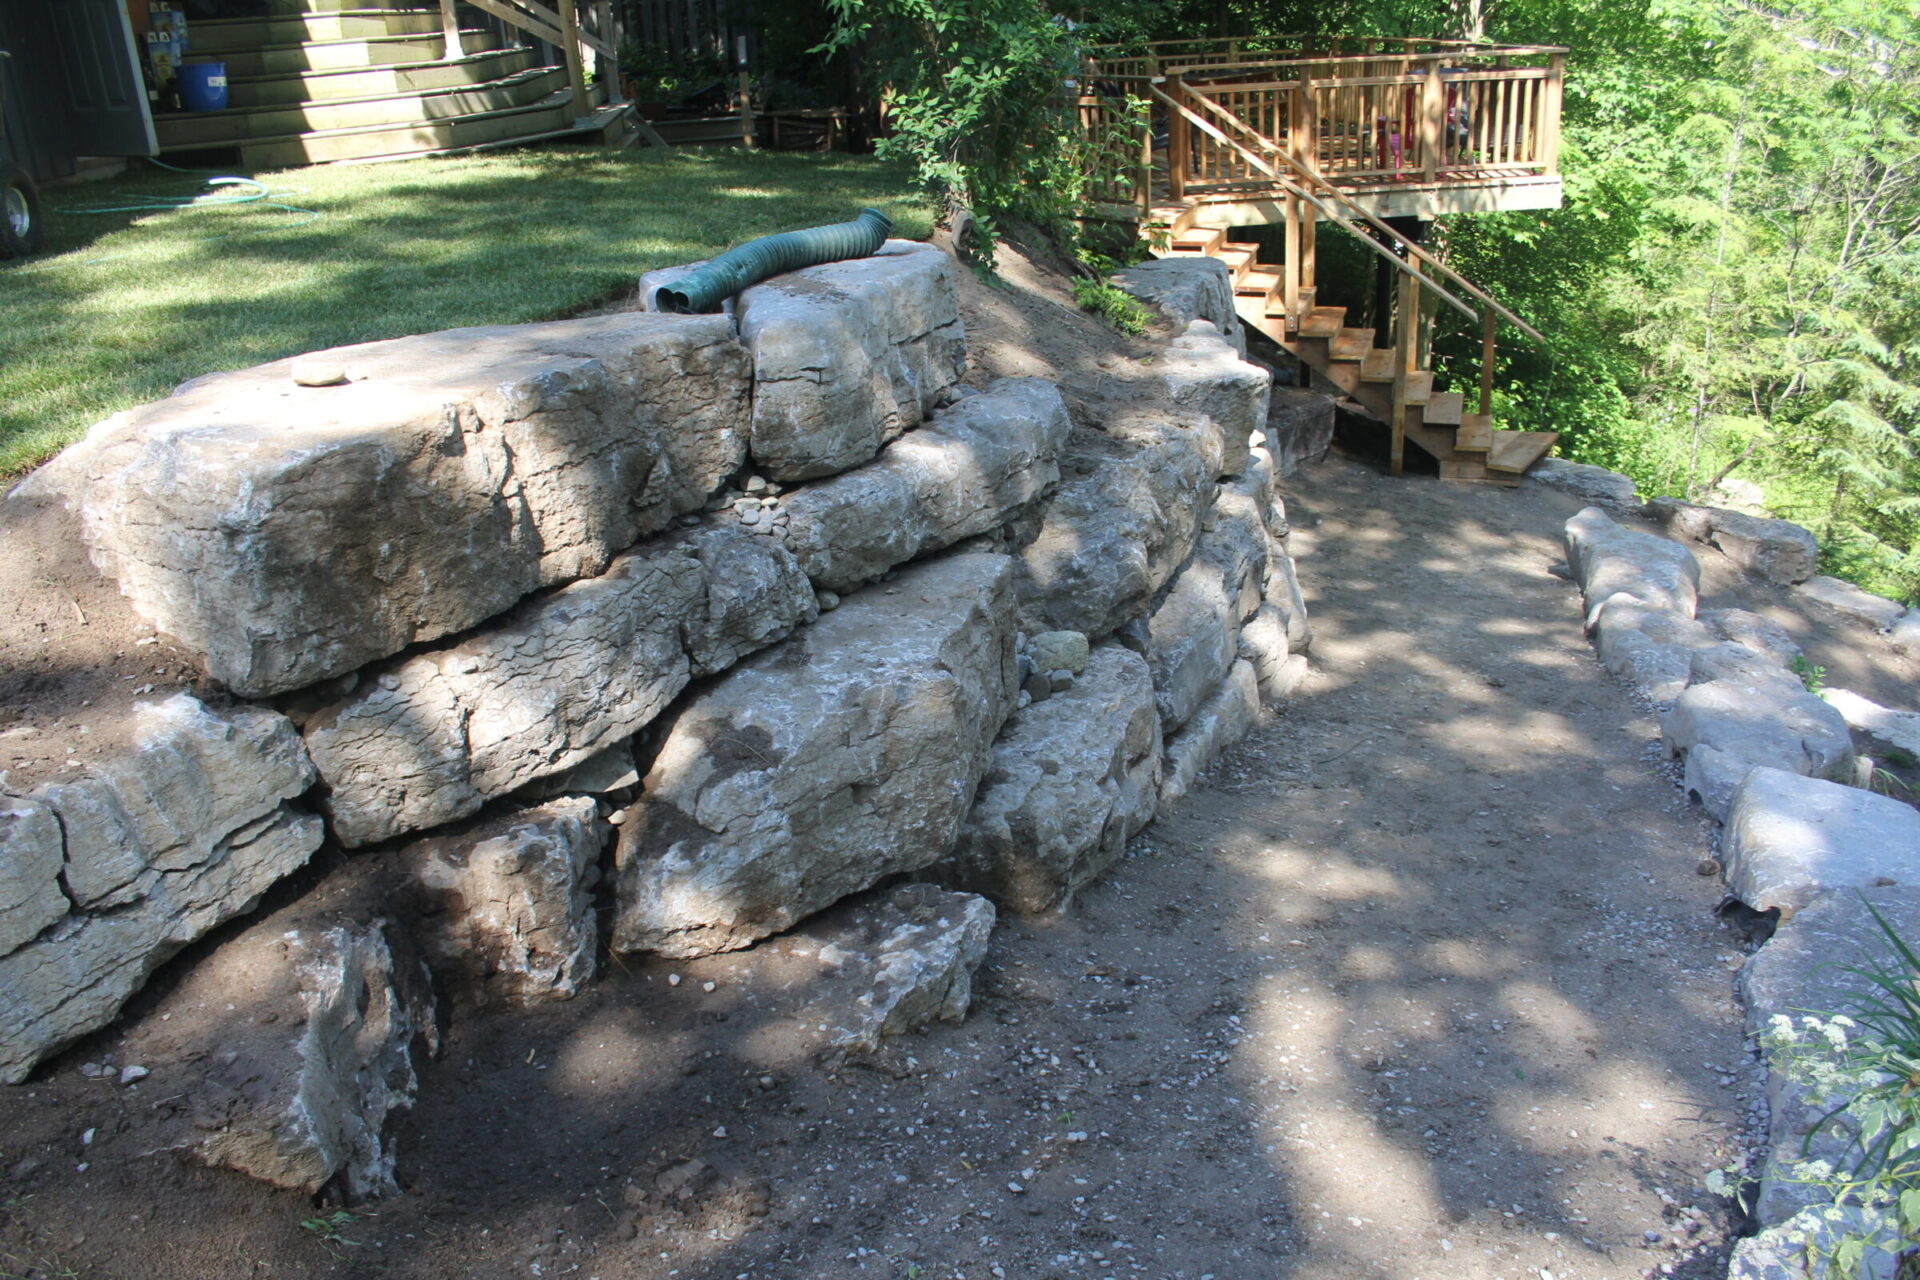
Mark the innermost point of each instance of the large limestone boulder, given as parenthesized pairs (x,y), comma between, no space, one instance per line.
(1727,727)
(32,851)
(969,470)
(1191,638)
(849,753)
(563,678)
(1299,427)
(1777,550)
(504,910)
(1898,729)
(1812,966)
(848,355)
(289,1048)
(1791,839)
(1595,485)
(1850,601)
(1204,374)
(1651,649)
(1072,779)
(911,952)
(158,846)
(290,534)
(1223,720)
(1609,560)
(1185,289)
(1116,532)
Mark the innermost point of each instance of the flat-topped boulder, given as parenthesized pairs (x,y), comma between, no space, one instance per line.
(561,679)
(1608,560)
(1596,485)
(1725,728)
(848,355)
(1185,289)
(846,754)
(289,533)
(1203,373)
(1850,601)
(966,472)
(1778,550)
(1790,839)
(151,850)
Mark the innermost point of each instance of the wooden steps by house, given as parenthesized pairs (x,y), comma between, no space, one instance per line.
(315,81)
(1466,445)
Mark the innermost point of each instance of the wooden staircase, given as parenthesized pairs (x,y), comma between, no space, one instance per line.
(318,80)
(1385,381)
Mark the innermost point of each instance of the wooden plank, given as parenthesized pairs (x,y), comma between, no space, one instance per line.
(1377,365)
(1259,282)
(1445,409)
(1475,434)
(1419,387)
(1323,322)
(1514,451)
(1352,344)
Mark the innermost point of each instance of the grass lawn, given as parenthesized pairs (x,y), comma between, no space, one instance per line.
(123,306)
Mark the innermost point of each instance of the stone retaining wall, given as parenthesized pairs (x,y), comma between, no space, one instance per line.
(1833,864)
(717,621)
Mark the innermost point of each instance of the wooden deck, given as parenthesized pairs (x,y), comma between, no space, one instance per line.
(1406,128)
(1200,139)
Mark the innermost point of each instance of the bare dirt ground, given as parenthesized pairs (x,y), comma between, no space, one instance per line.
(1421,983)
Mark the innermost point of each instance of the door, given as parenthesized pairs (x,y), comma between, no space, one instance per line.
(107,111)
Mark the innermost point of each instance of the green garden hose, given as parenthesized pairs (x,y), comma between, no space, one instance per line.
(706,286)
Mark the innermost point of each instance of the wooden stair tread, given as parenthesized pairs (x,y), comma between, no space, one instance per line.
(1351,344)
(1475,434)
(1445,409)
(1419,387)
(1323,322)
(1377,365)
(1197,241)
(1514,451)
(1258,282)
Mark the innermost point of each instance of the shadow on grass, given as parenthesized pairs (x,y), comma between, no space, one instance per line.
(125,308)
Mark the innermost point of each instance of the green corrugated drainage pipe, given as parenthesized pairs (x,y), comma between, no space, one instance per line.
(705,287)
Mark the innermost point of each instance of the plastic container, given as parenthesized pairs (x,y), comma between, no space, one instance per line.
(203,86)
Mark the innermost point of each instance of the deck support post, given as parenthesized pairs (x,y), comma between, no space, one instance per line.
(1179,141)
(1433,109)
(1551,94)
(1406,331)
(1290,262)
(450,26)
(576,69)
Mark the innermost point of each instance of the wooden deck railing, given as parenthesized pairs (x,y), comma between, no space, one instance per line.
(562,27)
(1359,112)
